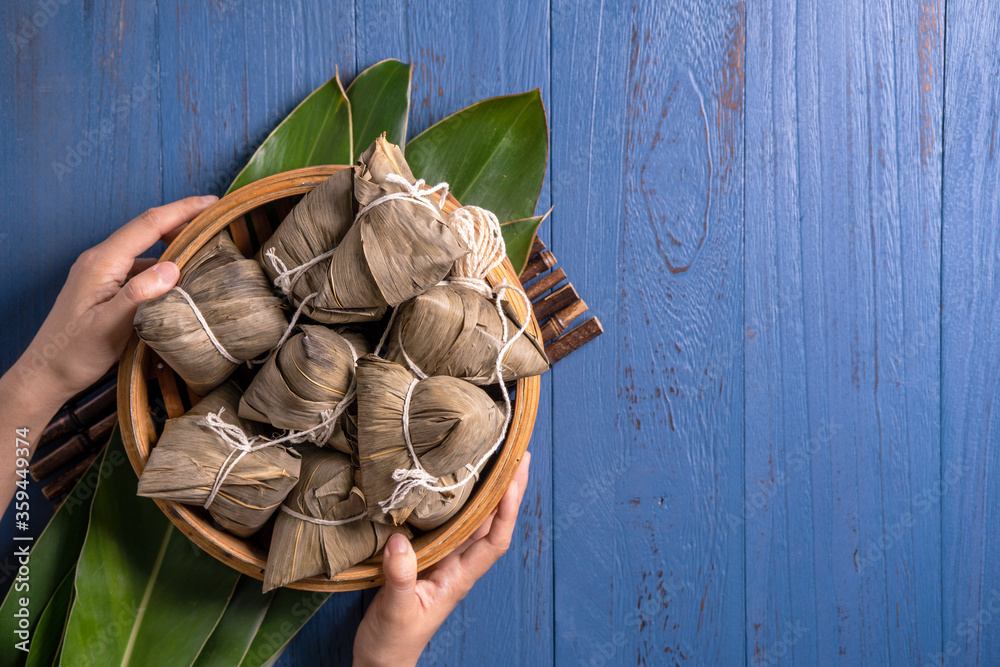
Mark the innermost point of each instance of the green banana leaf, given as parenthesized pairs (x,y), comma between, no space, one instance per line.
(518,235)
(318,131)
(492,154)
(143,590)
(48,634)
(54,554)
(380,102)
(231,639)
(289,611)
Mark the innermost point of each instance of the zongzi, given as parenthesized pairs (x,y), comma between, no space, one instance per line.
(193,464)
(399,245)
(322,527)
(446,423)
(221,313)
(453,330)
(297,256)
(303,383)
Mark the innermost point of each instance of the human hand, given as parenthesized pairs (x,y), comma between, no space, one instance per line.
(91,321)
(406,612)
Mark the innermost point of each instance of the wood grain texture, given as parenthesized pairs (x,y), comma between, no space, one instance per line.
(843,112)
(647,146)
(970,337)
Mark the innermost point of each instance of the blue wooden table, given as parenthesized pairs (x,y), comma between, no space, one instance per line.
(784,449)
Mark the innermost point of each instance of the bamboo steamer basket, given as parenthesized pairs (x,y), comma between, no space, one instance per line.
(252,213)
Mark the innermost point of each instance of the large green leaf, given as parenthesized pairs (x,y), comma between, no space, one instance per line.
(318,131)
(236,629)
(518,235)
(54,554)
(289,611)
(143,590)
(492,154)
(48,633)
(380,102)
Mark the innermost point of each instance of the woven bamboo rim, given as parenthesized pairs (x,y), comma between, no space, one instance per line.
(138,370)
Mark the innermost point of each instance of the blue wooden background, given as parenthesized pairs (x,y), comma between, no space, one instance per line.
(783,450)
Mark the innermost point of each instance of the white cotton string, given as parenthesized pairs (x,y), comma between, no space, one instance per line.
(385,334)
(288,332)
(321,522)
(414,192)
(287,277)
(481,232)
(242,444)
(411,478)
(409,362)
(208,330)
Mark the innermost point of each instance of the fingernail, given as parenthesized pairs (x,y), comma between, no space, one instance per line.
(167,271)
(209,199)
(397,544)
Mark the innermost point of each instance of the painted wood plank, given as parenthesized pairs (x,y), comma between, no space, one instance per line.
(648,186)
(971,337)
(842,347)
(81,157)
(463,52)
(232,71)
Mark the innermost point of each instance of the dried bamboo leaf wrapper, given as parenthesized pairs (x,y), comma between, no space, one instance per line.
(436,508)
(397,248)
(453,330)
(185,463)
(325,491)
(315,226)
(310,375)
(451,422)
(235,300)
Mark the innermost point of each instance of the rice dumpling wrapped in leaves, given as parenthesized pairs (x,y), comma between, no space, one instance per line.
(436,508)
(398,247)
(221,313)
(449,422)
(453,330)
(304,382)
(312,229)
(190,457)
(301,547)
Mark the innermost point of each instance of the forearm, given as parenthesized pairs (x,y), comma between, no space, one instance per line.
(28,400)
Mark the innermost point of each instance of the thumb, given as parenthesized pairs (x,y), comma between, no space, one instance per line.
(400,566)
(153,282)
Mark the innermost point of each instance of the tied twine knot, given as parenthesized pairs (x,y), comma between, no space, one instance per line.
(286,277)
(417,192)
(480,230)
(242,444)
